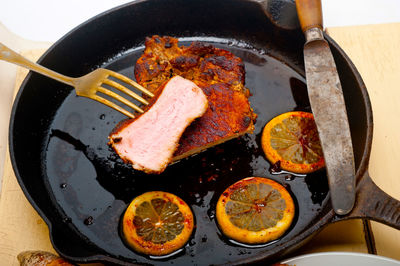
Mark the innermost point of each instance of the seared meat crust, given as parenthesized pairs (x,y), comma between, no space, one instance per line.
(220,75)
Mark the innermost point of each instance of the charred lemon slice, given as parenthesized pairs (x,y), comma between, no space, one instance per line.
(157,223)
(292,138)
(255,210)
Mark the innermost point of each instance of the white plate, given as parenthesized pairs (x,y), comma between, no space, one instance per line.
(342,259)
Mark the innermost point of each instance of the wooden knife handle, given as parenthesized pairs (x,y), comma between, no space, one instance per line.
(309,13)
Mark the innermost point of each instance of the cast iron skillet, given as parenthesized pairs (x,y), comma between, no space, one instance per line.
(80,187)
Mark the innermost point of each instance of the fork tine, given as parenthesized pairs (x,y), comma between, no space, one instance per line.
(131,82)
(125,90)
(112,105)
(119,98)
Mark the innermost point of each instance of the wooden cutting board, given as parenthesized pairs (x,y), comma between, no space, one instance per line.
(374,50)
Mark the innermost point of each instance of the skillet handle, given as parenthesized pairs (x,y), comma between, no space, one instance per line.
(372,203)
(309,13)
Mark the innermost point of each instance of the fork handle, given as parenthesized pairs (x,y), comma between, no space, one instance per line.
(11,56)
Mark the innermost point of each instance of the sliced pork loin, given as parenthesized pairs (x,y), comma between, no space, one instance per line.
(219,73)
(149,141)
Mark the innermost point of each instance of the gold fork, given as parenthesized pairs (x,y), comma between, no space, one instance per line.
(88,85)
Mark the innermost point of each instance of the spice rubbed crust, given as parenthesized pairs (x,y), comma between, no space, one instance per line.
(220,75)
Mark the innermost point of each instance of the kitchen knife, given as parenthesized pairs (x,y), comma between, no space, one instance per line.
(328,107)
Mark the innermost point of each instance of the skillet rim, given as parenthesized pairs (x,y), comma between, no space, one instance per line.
(279,250)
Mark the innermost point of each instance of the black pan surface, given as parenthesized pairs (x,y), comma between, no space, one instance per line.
(80,186)
(87,179)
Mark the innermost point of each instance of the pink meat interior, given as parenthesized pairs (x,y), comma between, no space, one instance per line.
(150,141)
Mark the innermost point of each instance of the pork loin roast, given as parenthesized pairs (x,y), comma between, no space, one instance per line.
(149,141)
(220,75)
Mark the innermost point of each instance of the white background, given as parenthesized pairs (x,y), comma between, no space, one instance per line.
(48,20)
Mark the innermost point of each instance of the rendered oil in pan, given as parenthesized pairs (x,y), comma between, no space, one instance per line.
(93,186)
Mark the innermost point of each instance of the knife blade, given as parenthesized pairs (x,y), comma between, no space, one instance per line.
(328,107)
